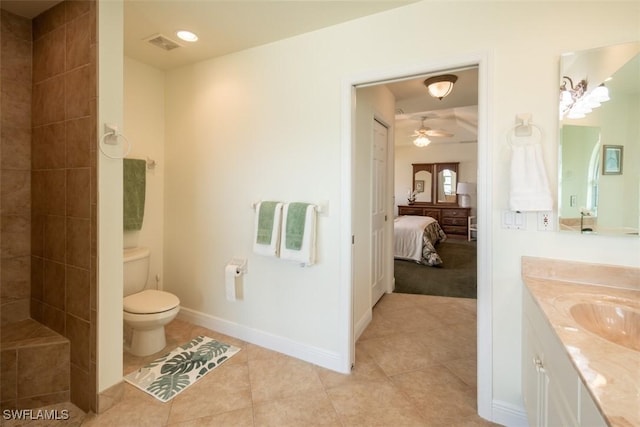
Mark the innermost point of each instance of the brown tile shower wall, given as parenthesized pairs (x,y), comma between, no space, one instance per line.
(63,185)
(15,166)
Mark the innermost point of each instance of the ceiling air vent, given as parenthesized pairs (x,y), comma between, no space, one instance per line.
(162,42)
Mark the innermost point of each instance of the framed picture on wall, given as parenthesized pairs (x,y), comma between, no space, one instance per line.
(612,159)
(419,186)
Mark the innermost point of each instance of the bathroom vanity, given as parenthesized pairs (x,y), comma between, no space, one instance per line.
(580,344)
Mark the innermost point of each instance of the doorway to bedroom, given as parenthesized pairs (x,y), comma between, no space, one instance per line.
(444,293)
(435,179)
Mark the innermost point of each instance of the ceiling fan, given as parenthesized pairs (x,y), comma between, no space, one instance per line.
(424,131)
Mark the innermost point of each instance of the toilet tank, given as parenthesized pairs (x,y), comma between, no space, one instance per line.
(136,269)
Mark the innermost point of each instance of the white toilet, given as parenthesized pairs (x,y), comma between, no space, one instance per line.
(146,311)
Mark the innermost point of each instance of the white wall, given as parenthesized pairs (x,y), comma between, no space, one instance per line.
(233,138)
(266,124)
(110,108)
(144,128)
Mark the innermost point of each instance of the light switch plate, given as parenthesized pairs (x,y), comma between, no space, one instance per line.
(514,220)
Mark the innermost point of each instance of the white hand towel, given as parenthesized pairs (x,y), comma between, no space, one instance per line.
(306,255)
(271,248)
(529,185)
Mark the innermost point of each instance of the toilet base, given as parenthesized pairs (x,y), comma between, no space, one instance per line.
(147,342)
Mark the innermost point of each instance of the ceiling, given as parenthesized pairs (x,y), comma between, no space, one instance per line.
(457,113)
(222,26)
(231,26)
(225,27)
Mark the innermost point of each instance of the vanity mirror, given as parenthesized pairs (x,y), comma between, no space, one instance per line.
(598,186)
(435,183)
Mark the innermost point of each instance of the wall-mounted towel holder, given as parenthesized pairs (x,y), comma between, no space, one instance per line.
(523,125)
(524,128)
(110,137)
(321,207)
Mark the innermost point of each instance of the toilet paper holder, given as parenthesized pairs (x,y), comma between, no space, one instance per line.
(240,263)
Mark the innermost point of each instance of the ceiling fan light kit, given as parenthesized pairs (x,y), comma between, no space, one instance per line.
(422,135)
(440,86)
(421,141)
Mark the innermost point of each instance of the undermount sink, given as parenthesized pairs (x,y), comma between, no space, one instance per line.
(616,323)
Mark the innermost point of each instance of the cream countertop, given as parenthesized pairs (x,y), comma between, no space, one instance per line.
(610,371)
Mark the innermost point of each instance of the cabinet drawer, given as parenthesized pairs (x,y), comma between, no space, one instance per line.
(433,213)
(455,221)
(409,211)
(454,213)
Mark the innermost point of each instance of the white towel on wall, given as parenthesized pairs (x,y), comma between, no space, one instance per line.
(272,249)
(529,188)
(307,253)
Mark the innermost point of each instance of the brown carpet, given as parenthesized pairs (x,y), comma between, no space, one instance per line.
(456,277)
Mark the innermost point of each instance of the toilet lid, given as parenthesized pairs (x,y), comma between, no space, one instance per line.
(150,301)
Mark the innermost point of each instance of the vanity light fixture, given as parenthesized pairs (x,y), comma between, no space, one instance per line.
(187,36)
(576,102)
(440,86)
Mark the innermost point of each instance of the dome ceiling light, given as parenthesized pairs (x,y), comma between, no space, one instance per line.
(440,86)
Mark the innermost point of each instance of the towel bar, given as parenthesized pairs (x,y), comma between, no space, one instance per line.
(321,207)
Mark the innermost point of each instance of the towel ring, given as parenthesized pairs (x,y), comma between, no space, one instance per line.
(511,133)
(116,135)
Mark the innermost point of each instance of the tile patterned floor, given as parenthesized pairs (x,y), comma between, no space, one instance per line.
(415,366)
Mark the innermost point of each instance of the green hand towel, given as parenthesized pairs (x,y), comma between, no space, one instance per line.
(134,182)
(296,218)
(266,217)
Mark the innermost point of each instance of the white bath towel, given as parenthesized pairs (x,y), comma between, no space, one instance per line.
(269,244)
(529,185)
(306,253)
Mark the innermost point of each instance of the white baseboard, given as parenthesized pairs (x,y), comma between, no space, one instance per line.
(362,324)
(510,415)
(317,356)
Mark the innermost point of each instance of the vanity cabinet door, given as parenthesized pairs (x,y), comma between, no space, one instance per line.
(552,390)
(534,379)
(589,413)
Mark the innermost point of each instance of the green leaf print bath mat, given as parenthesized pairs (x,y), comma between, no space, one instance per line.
(171,374)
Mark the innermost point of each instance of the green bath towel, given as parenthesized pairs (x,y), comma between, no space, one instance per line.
(296,218)
(134,182)
(266,216)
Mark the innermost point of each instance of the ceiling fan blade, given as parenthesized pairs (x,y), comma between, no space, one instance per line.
(436,132)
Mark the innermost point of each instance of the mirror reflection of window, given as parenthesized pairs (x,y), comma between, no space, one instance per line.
(447,182)
(594,174)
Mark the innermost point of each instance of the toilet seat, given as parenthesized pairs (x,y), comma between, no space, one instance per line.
(150,301)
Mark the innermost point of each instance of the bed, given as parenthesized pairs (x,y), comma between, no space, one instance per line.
(415,238)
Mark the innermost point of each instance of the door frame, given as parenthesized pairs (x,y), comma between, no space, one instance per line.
(484,210)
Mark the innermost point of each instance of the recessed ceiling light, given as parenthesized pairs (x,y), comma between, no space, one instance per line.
(187,36)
